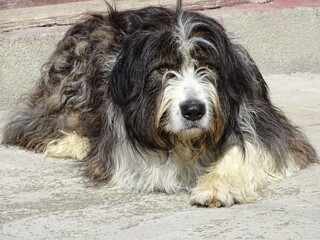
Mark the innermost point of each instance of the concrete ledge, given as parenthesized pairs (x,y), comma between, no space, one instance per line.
(280,38)
(22,54)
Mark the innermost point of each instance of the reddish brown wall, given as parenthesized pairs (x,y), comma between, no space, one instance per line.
(189,4)
(5,4)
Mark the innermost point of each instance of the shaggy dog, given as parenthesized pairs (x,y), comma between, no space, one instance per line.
(160,100)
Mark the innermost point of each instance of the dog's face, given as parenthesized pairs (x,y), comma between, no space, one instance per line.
(170,80)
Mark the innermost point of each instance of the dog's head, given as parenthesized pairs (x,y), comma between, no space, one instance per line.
(179,80)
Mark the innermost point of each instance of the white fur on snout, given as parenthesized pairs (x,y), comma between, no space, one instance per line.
(189,88)
(189,84)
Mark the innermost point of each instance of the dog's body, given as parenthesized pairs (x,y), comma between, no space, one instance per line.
(157,100)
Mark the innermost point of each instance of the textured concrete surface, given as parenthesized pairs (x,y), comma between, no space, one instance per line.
(48,198)
(280,39)
(22,54)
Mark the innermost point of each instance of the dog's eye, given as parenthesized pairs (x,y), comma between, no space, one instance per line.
(203,67)
(207,65)
(163,69)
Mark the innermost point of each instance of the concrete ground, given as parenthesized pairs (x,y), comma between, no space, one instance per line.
(46,198)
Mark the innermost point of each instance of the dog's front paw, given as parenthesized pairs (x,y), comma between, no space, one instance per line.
(205,198)
(212,192)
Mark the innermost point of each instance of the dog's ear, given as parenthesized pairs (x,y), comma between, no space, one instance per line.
(237,71)
(243,74)
(251,72)
(120,81)
(127,76)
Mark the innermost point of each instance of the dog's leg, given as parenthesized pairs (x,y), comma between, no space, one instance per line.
(70,146)
(237,177)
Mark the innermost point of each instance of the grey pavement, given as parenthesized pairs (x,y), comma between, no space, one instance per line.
(47,198)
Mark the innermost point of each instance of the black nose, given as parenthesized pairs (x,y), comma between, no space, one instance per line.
(192,110)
